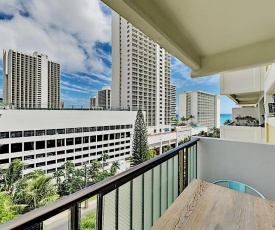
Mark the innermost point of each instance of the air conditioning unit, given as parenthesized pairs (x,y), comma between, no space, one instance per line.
(271,108)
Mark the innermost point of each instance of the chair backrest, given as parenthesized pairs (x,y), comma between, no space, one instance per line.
(238,186)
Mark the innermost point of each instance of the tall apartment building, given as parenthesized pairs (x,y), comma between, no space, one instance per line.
(140,74)
(103,97)
(92,102)
(205,108)
(30,80)
(173,100)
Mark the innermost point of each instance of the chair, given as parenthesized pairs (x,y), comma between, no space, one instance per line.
(238,186)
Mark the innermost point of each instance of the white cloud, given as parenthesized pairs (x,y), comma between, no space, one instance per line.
(67,31)
(66,85)
(183,76)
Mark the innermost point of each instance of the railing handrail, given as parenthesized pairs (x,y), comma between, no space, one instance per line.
(104,186)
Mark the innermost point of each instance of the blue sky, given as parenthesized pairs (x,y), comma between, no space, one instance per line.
(81,44)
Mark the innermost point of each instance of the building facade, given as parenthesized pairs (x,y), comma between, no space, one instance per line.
(204,107)
(92,102)
(140,74)
(103,97)
(56,136)
(30,80)
(173,101)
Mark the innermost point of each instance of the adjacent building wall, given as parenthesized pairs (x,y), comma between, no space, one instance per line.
(250,163)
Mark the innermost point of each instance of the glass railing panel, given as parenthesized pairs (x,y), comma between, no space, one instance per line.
(59,221)
(124,206)
(164,185)
(170,187)
(156,191)
(137,208)
(192,157)
(87,210)
(176,177)
(109,211)
(148,199)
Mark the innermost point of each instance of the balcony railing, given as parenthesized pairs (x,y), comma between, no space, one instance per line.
(134,199)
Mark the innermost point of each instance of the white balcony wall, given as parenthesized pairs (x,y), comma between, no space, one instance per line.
(243,133)
(253,112)
(243,81)
(269,82)
(250,163)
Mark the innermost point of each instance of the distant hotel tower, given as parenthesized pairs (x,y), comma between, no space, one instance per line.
(30,81)
(140,73)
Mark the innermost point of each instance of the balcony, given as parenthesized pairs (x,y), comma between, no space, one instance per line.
(136,198)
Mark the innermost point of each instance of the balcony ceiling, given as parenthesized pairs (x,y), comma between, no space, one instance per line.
(209,36)
(247,99)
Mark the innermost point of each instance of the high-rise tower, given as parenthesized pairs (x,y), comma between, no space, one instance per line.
(30,80)
(140,73)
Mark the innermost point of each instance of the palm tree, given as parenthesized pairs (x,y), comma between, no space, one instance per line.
(114,168)
(58,175)
(92,171)
(12,174)
(104,156)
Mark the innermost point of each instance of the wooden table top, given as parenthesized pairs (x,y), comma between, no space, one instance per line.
(207,206)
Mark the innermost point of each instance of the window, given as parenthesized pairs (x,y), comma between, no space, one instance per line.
(28,146)
(4,149)
(50,154)
(86,139)
(112,136)
(78,130)
(69,150)
(40,144)
(100,128)
(106,137)
(99,137)
(4,135)
(117,126)
(60,142)
(86,129)
(78,140)
(85,148)
(92,129)
(106,127)
(29,133)
(16,147)
(40,155)
(70,158)
(117,135)
(69,141)
(112,127)
(128,134)
(40,132)
(60,131)
(40,164)
(78,150)
(50,131)
(70,130)
(16,134)
(50,143)
(92,139)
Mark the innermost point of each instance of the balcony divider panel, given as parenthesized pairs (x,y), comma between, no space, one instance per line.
(148,201)
(164,185)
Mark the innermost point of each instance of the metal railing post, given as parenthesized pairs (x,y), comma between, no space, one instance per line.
(75,217)
(99,213)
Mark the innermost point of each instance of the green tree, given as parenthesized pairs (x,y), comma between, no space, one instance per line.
(140,144)
(88,222)
(12,174)
(114,168)
(104,156)
(167,148)
(92,172)
(59,176)
(227,121)
(7,211)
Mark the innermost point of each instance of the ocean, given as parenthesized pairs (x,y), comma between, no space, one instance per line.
(223,117)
